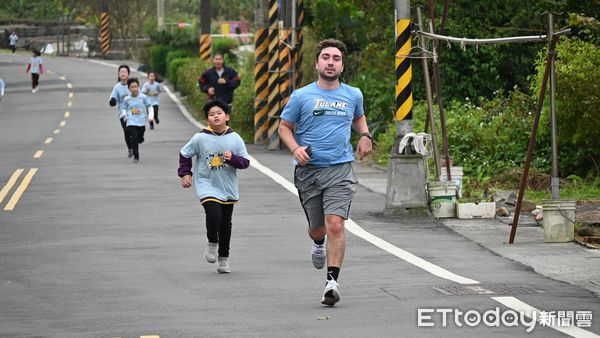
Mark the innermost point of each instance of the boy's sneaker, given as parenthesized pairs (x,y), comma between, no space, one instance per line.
(319,255)
(223,265)
(211,252)
(130,153)
(331,294)
(136,160)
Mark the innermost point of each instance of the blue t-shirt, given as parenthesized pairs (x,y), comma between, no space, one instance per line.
(323,120)
(120,92)
(12,39)
(152,91)
(212,176)
(136,109)
(35,63)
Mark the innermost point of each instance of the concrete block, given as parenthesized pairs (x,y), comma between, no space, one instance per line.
(472,210)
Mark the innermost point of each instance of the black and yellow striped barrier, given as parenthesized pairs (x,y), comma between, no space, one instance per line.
(285,67)
(104,29)
(205,47)
(404,98)
(298,51)
(261,81)
(273,98)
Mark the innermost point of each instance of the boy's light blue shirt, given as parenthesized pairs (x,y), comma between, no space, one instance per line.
(136,109)
(323,120)
(120,92)
(212,176)
(152,88)
(35,63)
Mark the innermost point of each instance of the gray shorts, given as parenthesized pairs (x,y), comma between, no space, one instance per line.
(325,191)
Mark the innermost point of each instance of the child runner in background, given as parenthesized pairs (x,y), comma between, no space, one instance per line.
(118,94)
(12,41)
(36,68)
(151,89)
(219,153)
(136,111)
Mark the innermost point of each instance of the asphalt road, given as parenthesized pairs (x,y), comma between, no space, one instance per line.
(93,245)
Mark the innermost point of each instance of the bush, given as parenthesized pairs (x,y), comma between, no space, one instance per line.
(242,116)
(577,102)
(173,68)
(158,56)
(187,80)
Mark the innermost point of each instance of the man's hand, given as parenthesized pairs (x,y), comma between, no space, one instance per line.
(364,147)
(222,81)
(211,91)
(186,181)
(300,155)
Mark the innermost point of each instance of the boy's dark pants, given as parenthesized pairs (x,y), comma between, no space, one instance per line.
(218,225)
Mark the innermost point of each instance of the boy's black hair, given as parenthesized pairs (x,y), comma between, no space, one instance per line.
(123,66)
(132,80)
(216,102)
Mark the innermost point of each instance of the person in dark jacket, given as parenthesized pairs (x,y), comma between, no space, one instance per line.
(219,81)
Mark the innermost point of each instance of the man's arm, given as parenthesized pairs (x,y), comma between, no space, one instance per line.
(235,80)
(286,135)
(365,144)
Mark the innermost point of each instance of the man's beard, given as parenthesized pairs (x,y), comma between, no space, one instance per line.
(326,77)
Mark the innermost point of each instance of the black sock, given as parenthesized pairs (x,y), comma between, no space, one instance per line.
(319,242)
(332,273)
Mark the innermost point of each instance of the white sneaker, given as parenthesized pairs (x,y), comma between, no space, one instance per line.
(211,252)
(319,255)
(223,265)
(331,295)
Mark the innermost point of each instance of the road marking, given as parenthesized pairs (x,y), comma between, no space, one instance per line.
(71,95)
(20,190)
(290,187)
(11,181)
(56,131)
(49,140)
(69,85)
(527,310)
(63,123)
(149,336)
(69,104)
(38,154)
(62,78)
(67,114)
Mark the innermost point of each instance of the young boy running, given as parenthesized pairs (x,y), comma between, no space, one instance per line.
(151,89)
(119,92)
(136,111)
(219,153)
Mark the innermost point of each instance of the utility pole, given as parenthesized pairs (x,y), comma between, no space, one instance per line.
(160,14)
(407,174)
(205,38)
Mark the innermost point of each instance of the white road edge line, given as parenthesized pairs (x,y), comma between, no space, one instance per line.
(360,232)
(528,310)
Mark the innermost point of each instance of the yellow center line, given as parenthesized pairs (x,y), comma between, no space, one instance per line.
(20,190)
(38,154)
(49,140)
(56,131)
(62,78)
(63,123)
(69,104)
(67,114)
(10,183)
(69,85)
(149,336)
(71,95)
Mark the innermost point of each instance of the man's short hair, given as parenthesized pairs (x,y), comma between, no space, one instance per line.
(331,43)
(216,102)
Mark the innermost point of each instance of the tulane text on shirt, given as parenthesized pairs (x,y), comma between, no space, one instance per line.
(320,103)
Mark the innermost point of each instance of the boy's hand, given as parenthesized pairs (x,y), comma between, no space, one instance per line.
(227,155)
(186,181)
